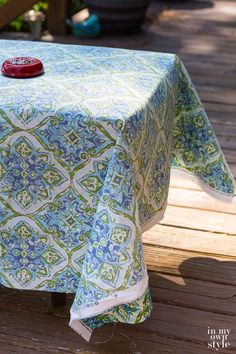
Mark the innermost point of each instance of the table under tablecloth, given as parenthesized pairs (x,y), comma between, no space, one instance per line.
(85,156)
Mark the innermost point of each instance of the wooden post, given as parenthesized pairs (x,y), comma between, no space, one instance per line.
(58,11)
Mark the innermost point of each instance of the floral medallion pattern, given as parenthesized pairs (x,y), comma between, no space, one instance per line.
(69,218)
(85,157)
(28,255)
(74,137)
(109,250)
(28,175)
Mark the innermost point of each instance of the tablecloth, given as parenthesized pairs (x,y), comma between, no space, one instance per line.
(85,158)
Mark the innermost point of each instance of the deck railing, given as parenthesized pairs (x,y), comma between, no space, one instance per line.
(58,11)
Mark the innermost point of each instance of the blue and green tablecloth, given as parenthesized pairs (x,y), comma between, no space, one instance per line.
(85,158)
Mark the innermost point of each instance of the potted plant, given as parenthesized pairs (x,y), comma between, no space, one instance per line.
(119,14)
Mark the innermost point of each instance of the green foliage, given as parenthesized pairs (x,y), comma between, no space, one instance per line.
(41,6)
(17,24)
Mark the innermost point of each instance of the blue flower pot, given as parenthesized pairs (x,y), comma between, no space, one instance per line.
(89,28)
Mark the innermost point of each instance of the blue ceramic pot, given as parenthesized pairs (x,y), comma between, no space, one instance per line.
(89,28)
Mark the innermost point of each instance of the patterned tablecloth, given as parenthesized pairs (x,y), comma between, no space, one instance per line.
(85,157)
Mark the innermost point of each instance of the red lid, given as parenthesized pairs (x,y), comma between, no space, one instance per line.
(22,67)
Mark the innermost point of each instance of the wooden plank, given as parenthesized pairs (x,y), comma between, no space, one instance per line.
(227,142)
(190,324)
(199,29)
(230,156)
(58,12)
(165,344)
(193,293)
(189,46)
(199,200)
(161,345)
(199,219)
(185,181)
(219,269)
(223,119)
(39,333)
(225,113)
(233,169)
(194,301)
(191,240)
(147,338)
(12,9)
(202,40)
(214,94)
(197,67)
(225,130)
(211,81)
(189,182)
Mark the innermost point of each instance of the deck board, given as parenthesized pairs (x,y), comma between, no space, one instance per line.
(198,219)
(191,254)
(191,240)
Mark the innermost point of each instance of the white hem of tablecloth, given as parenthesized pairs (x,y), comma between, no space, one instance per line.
(124,297)
(225,197)
(81,328)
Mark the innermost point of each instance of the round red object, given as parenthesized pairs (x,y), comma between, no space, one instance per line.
(22,67)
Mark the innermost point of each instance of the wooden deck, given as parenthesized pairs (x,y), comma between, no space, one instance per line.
(191,255)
